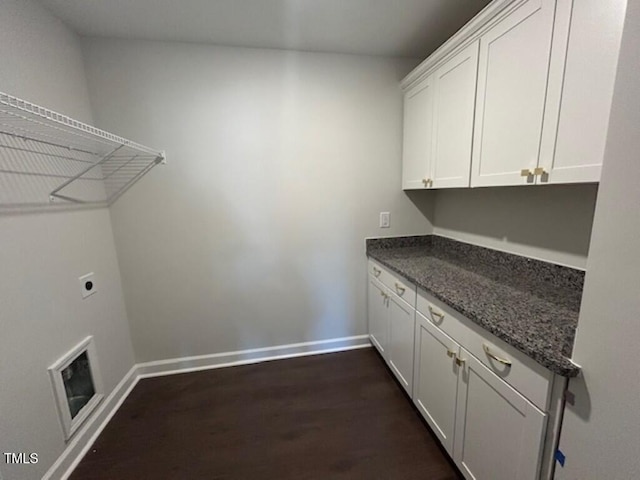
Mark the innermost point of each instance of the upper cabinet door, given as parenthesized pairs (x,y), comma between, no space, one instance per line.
(417,145)
(455,95)
(512,86)
(586,42)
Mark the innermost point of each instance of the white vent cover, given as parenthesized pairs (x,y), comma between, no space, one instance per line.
(77,385)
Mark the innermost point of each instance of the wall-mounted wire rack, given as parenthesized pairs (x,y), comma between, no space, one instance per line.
(46,157)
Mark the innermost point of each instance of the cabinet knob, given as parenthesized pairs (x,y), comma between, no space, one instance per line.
(525,172)
(460,361)
(451,353)
(539,171)
(400,289)
(377,271)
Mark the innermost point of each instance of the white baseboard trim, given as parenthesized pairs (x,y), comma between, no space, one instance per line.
(246,357)
(84,438)
(89,432)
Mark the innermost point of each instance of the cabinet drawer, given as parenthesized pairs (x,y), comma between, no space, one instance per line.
(524,374)
(398,285)
(521,372)
(442,316)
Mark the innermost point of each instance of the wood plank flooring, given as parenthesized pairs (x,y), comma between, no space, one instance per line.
(332,416)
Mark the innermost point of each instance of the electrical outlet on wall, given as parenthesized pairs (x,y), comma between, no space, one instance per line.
(88,285)
(385,221)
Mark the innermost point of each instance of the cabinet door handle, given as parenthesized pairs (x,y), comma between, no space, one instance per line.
(433,313)
(400,289)
(525,172)
(460,361)
(489,353)
(451,353)
(539,171)
(377,271)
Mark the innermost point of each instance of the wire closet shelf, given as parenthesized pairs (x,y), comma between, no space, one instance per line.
(46,157)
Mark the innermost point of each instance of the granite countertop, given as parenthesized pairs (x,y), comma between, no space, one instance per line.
(530,304)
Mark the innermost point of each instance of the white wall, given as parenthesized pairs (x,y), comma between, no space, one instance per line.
(551,223)
(42,255)
(279,164)
(601,433)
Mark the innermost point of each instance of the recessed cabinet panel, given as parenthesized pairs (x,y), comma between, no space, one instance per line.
(455,94)
(378,317)
(499,434)
(512,85)
(417,141)
(400,349)
(436,379)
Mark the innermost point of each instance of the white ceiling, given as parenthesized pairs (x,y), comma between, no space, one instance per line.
(407,28)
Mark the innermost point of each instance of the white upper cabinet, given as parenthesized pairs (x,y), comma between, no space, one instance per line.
(417,145)
(533,109)
(512,86)
(587,57)
(455,94)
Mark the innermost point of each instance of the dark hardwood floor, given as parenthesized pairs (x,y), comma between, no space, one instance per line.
(332,416)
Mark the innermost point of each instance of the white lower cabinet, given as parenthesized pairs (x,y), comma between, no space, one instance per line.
(391,325)
(378,317)
(499,434)
(401,325)
(468,385)
(491,431)
(435,385)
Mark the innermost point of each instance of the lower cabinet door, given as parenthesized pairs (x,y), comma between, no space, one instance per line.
(436,379)
(499,434)
(400,348)
(378,315)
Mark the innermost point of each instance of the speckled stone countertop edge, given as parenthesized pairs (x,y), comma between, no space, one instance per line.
(561,366)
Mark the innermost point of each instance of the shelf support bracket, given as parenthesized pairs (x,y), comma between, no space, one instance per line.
(53,195)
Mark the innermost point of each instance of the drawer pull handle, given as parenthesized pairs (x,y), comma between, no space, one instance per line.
(400,289)
(377,271)
(489,353)
(433,313)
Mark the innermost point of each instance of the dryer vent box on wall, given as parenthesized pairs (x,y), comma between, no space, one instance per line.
(77,385)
